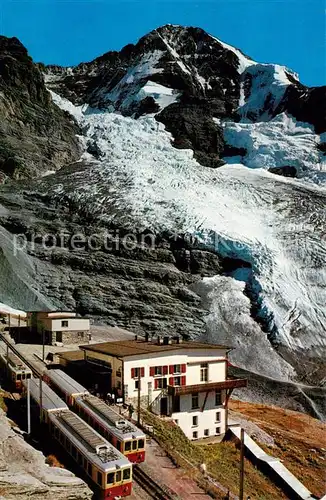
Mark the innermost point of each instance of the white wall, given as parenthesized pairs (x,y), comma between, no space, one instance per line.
(206,419)
(74,324)
(216,370)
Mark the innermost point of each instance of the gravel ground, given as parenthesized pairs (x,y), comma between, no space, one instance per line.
(164,472)
(251,428)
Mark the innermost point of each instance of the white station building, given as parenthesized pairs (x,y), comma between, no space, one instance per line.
(186,381)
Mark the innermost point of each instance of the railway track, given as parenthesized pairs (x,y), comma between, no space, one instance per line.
(11,346)
(149,485)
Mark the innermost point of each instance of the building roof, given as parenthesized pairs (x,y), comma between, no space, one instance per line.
(52,311)
(122,349)
(71,355)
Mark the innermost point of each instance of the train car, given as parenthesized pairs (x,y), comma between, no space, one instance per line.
(124,435)
(50,400)
(14,368)
(108,470)
(64,385)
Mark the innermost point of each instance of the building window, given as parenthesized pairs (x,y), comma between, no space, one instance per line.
(177,381)
(59,336)
(161,383)
(204,372)
(194,401)
(195,434)
(158,370)
(177,368)
(218,430)
(125,390)
(194,421)
(137,385)
(218,398)
(218,417)
(136,372)
(64,324)
(206,432)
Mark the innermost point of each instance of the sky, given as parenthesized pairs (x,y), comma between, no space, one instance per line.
(67,32)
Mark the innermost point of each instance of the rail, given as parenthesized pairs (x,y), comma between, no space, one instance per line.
(150,486)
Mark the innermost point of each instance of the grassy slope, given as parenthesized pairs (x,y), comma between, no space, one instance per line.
(222,461)
(300,441)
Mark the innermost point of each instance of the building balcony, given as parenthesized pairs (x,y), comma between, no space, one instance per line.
(206,387)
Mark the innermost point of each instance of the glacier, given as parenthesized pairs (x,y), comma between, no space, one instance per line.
(275,224)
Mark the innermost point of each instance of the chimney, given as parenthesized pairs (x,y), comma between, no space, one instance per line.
(158,340)
(146,337)
(166,340)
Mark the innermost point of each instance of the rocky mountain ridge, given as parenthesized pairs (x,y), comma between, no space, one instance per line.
(35,135)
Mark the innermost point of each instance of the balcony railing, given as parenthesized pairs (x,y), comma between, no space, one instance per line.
(207,387)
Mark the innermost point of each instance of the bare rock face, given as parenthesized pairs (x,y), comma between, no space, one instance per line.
(144,289)
(35,135)
(24,473)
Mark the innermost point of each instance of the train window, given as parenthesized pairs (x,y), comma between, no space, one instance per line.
(134,444)
(118,476)
(73,451)
(119,445)
(141,443)
(80,459)
(28,375)
(18,376)
(127,445)
(56,432)
(99,478)
(89,469)
(23,376)
(126,474)
(110,478)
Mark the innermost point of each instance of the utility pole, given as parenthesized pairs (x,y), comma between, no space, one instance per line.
(241,464)
(43,346)
(138,412)
(41,398)
(28,407)
(7,358)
